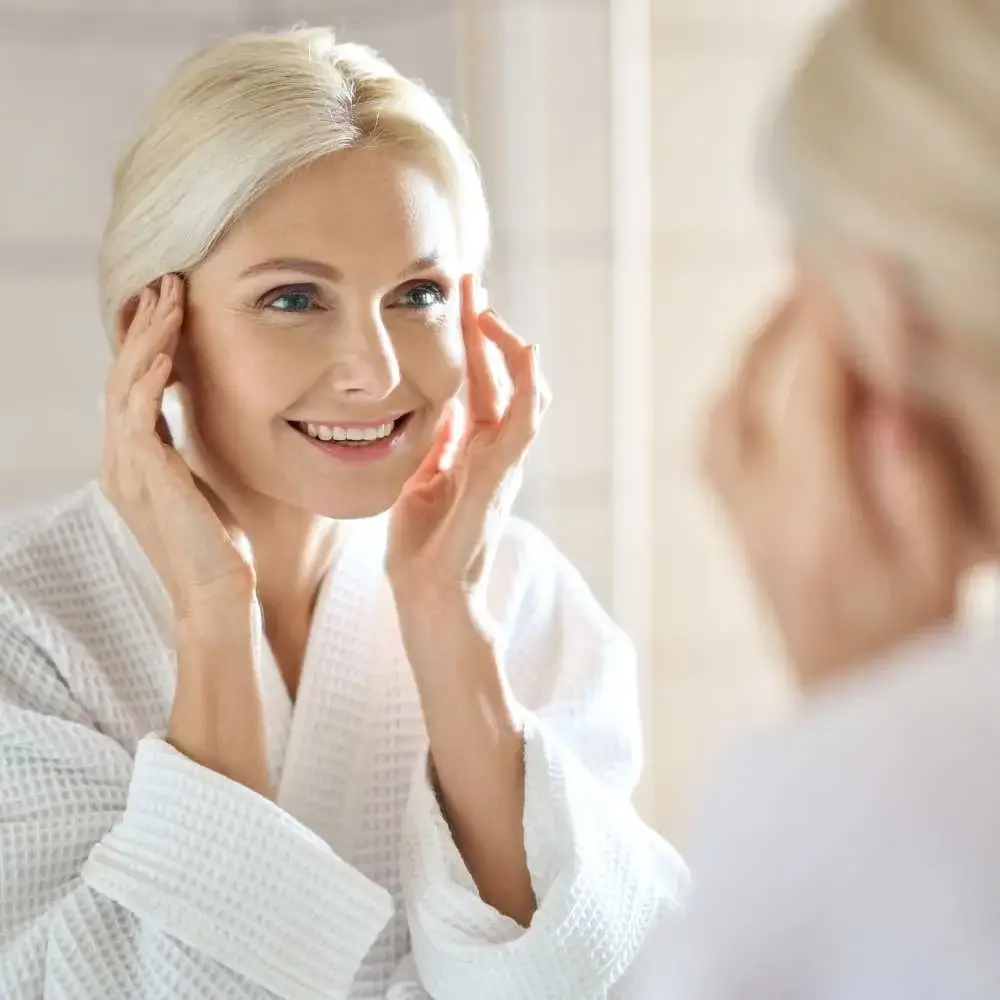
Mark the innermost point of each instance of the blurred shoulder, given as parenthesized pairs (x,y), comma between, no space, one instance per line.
(872,815)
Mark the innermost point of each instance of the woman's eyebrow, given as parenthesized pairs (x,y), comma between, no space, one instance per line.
(328,271)
(422,263)
(302,264)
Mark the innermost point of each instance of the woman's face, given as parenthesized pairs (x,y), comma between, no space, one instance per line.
(329,313)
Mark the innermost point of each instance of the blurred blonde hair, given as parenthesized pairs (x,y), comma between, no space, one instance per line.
(239,116)
(888,138)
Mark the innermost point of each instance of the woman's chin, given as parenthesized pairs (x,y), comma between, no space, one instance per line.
(351,505)
(353,495)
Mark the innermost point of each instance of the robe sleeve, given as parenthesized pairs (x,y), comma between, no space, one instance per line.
(151,876)
(602,879)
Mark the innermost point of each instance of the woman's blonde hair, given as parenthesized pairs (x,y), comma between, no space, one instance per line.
(888,139)
(241,115)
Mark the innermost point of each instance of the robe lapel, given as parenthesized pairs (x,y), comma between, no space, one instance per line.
(338,733)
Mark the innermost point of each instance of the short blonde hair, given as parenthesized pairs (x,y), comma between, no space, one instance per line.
(241,115)
(888,138)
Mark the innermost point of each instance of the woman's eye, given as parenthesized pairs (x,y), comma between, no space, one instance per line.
(292,300)
(426,295)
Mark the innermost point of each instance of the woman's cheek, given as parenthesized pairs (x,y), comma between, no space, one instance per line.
(454,354)
(452,341)
(243,389)
(436,363)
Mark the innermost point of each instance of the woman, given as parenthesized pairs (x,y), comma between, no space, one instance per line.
(854,853)
(240,757)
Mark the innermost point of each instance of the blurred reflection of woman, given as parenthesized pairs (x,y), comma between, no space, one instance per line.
(855,854)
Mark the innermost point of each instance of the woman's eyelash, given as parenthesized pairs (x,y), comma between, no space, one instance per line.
(304,298)
(297,298)
(432,294)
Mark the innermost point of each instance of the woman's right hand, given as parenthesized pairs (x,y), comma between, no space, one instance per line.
(217,716)
(172,515)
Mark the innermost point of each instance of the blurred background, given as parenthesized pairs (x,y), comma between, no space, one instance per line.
(617,142)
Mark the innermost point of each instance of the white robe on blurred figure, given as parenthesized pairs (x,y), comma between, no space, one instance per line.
(854,854)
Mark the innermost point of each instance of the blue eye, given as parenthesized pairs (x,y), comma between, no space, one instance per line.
(426,295)
(293,300)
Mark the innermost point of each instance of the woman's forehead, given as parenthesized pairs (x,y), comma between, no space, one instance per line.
(350,210)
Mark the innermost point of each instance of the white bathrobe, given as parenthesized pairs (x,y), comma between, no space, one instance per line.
(128,870)
(854,853)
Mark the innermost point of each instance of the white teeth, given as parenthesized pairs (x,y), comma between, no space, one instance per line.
(331,432)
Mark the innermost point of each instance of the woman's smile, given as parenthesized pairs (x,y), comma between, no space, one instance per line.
(357,441)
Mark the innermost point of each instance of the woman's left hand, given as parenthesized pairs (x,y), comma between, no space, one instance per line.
(443,535)
(448,520)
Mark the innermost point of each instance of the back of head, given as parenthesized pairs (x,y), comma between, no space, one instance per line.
(889,139)
(241,115)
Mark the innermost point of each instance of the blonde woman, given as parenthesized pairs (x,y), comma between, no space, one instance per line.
(258,737)
(855,854)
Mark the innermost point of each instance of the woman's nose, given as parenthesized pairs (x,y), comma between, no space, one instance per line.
(365,362)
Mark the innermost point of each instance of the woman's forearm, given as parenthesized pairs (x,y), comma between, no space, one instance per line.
(477,761)
(217,713)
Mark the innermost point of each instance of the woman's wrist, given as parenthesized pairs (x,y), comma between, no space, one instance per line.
(227,602)
(217,717)
(227,619)
(443,626)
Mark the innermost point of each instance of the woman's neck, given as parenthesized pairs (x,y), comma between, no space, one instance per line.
(292,553)
(292,556)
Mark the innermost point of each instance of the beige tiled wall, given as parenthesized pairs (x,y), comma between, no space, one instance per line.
(65,102)
(539,117)
(716,264)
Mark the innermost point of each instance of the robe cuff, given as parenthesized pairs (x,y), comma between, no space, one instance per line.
(601,880)
(234,876)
